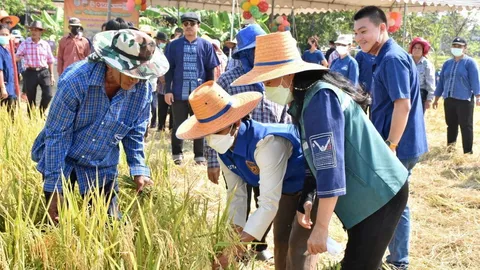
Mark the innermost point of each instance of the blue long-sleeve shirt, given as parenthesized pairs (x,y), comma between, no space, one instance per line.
(348,67)
(365,65)
(458,80)
(84,128)
(324,126)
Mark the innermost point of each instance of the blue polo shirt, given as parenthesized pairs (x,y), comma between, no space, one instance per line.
(347,66)
(365,66)
(316,57)
(395,77)
(177,52)
(6,67)
(458,80)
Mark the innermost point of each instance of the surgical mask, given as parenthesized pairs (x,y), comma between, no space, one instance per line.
(4,40)
(457,52)
(376,47)
(80,34)
(342,50)
(162,45)
(280,94)
(221,142)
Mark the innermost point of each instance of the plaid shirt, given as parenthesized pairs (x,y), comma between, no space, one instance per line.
(84,129)
(266,111)
(36,55)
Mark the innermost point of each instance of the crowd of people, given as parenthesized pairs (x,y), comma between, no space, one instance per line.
(304,135)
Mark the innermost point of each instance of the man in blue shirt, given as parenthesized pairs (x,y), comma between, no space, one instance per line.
(192,62)
(313,54)
(100,103)
(7,89)
(458,83)
(345,64)
(396,107)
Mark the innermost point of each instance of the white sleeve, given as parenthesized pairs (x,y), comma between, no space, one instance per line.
(238,205)
(271,155)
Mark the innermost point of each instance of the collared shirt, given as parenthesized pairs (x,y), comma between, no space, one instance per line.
(426,76)
(395,77)
(316,57)
(271,156)
(266,111)
(365,67)
(347,66)
(459,80)
(6,67)
(70,50)
(206,60)
(36,55)
(84,128)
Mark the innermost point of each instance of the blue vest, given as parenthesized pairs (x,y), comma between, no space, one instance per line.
(241,160)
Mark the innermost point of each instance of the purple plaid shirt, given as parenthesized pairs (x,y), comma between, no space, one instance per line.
(266,111)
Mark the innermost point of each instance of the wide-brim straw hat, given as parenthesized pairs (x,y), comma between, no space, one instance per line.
(15,19)
(214,109)
(276,55)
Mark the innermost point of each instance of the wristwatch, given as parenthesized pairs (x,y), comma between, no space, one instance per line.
(391,145)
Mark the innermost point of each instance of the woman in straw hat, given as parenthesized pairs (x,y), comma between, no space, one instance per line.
(264,155)
(357,176)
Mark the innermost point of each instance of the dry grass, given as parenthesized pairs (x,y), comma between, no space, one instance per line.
(445,205)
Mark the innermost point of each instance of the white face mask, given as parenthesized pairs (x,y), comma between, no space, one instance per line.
(280,94)
(457,52)
(342,50)
(221,143)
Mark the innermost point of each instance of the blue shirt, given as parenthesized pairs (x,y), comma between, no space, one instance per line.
(190,81)
(84,128)
(316,57)
(347,66)
(365,66)
(6,66)
(458,80)
(395,77)
(206,60)
(324,125)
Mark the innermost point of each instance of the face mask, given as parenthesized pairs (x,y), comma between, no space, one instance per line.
(342,50)
(162,45)
(280,94)
(4,40)
(221,143)
(376,47)
(80,34)
(457,52)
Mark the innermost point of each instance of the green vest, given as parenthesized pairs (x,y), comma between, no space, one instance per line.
(373,173)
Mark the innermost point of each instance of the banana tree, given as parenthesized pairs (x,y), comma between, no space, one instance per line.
(52,24)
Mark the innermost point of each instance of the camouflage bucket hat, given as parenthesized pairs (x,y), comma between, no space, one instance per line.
(131,52)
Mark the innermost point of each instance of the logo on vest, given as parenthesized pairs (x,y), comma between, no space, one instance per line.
(253,167)
(323,151)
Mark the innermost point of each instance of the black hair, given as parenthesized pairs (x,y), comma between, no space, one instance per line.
(331,42)
(116,24)
(306,79)
(179,30)
(4,26)
(375,14)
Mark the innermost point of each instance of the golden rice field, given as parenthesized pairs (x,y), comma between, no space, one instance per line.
(180,222)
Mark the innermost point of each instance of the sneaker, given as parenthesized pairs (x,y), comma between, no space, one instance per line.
(264,256)
(200,161)
(178,161)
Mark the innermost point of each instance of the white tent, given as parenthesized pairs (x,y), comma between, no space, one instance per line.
(311,6)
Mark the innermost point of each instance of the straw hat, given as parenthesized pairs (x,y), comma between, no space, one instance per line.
(15,19)
(214,109)
(276,55)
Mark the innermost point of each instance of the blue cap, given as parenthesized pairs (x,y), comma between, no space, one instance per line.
(246,38)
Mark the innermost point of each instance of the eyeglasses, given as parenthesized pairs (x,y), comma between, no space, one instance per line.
(189,23)
(8,22)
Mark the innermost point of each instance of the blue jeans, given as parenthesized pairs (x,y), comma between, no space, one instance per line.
(400,243)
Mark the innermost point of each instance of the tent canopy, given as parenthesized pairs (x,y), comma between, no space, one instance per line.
(311,6)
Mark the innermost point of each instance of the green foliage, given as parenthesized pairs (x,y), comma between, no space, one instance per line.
(18,7)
